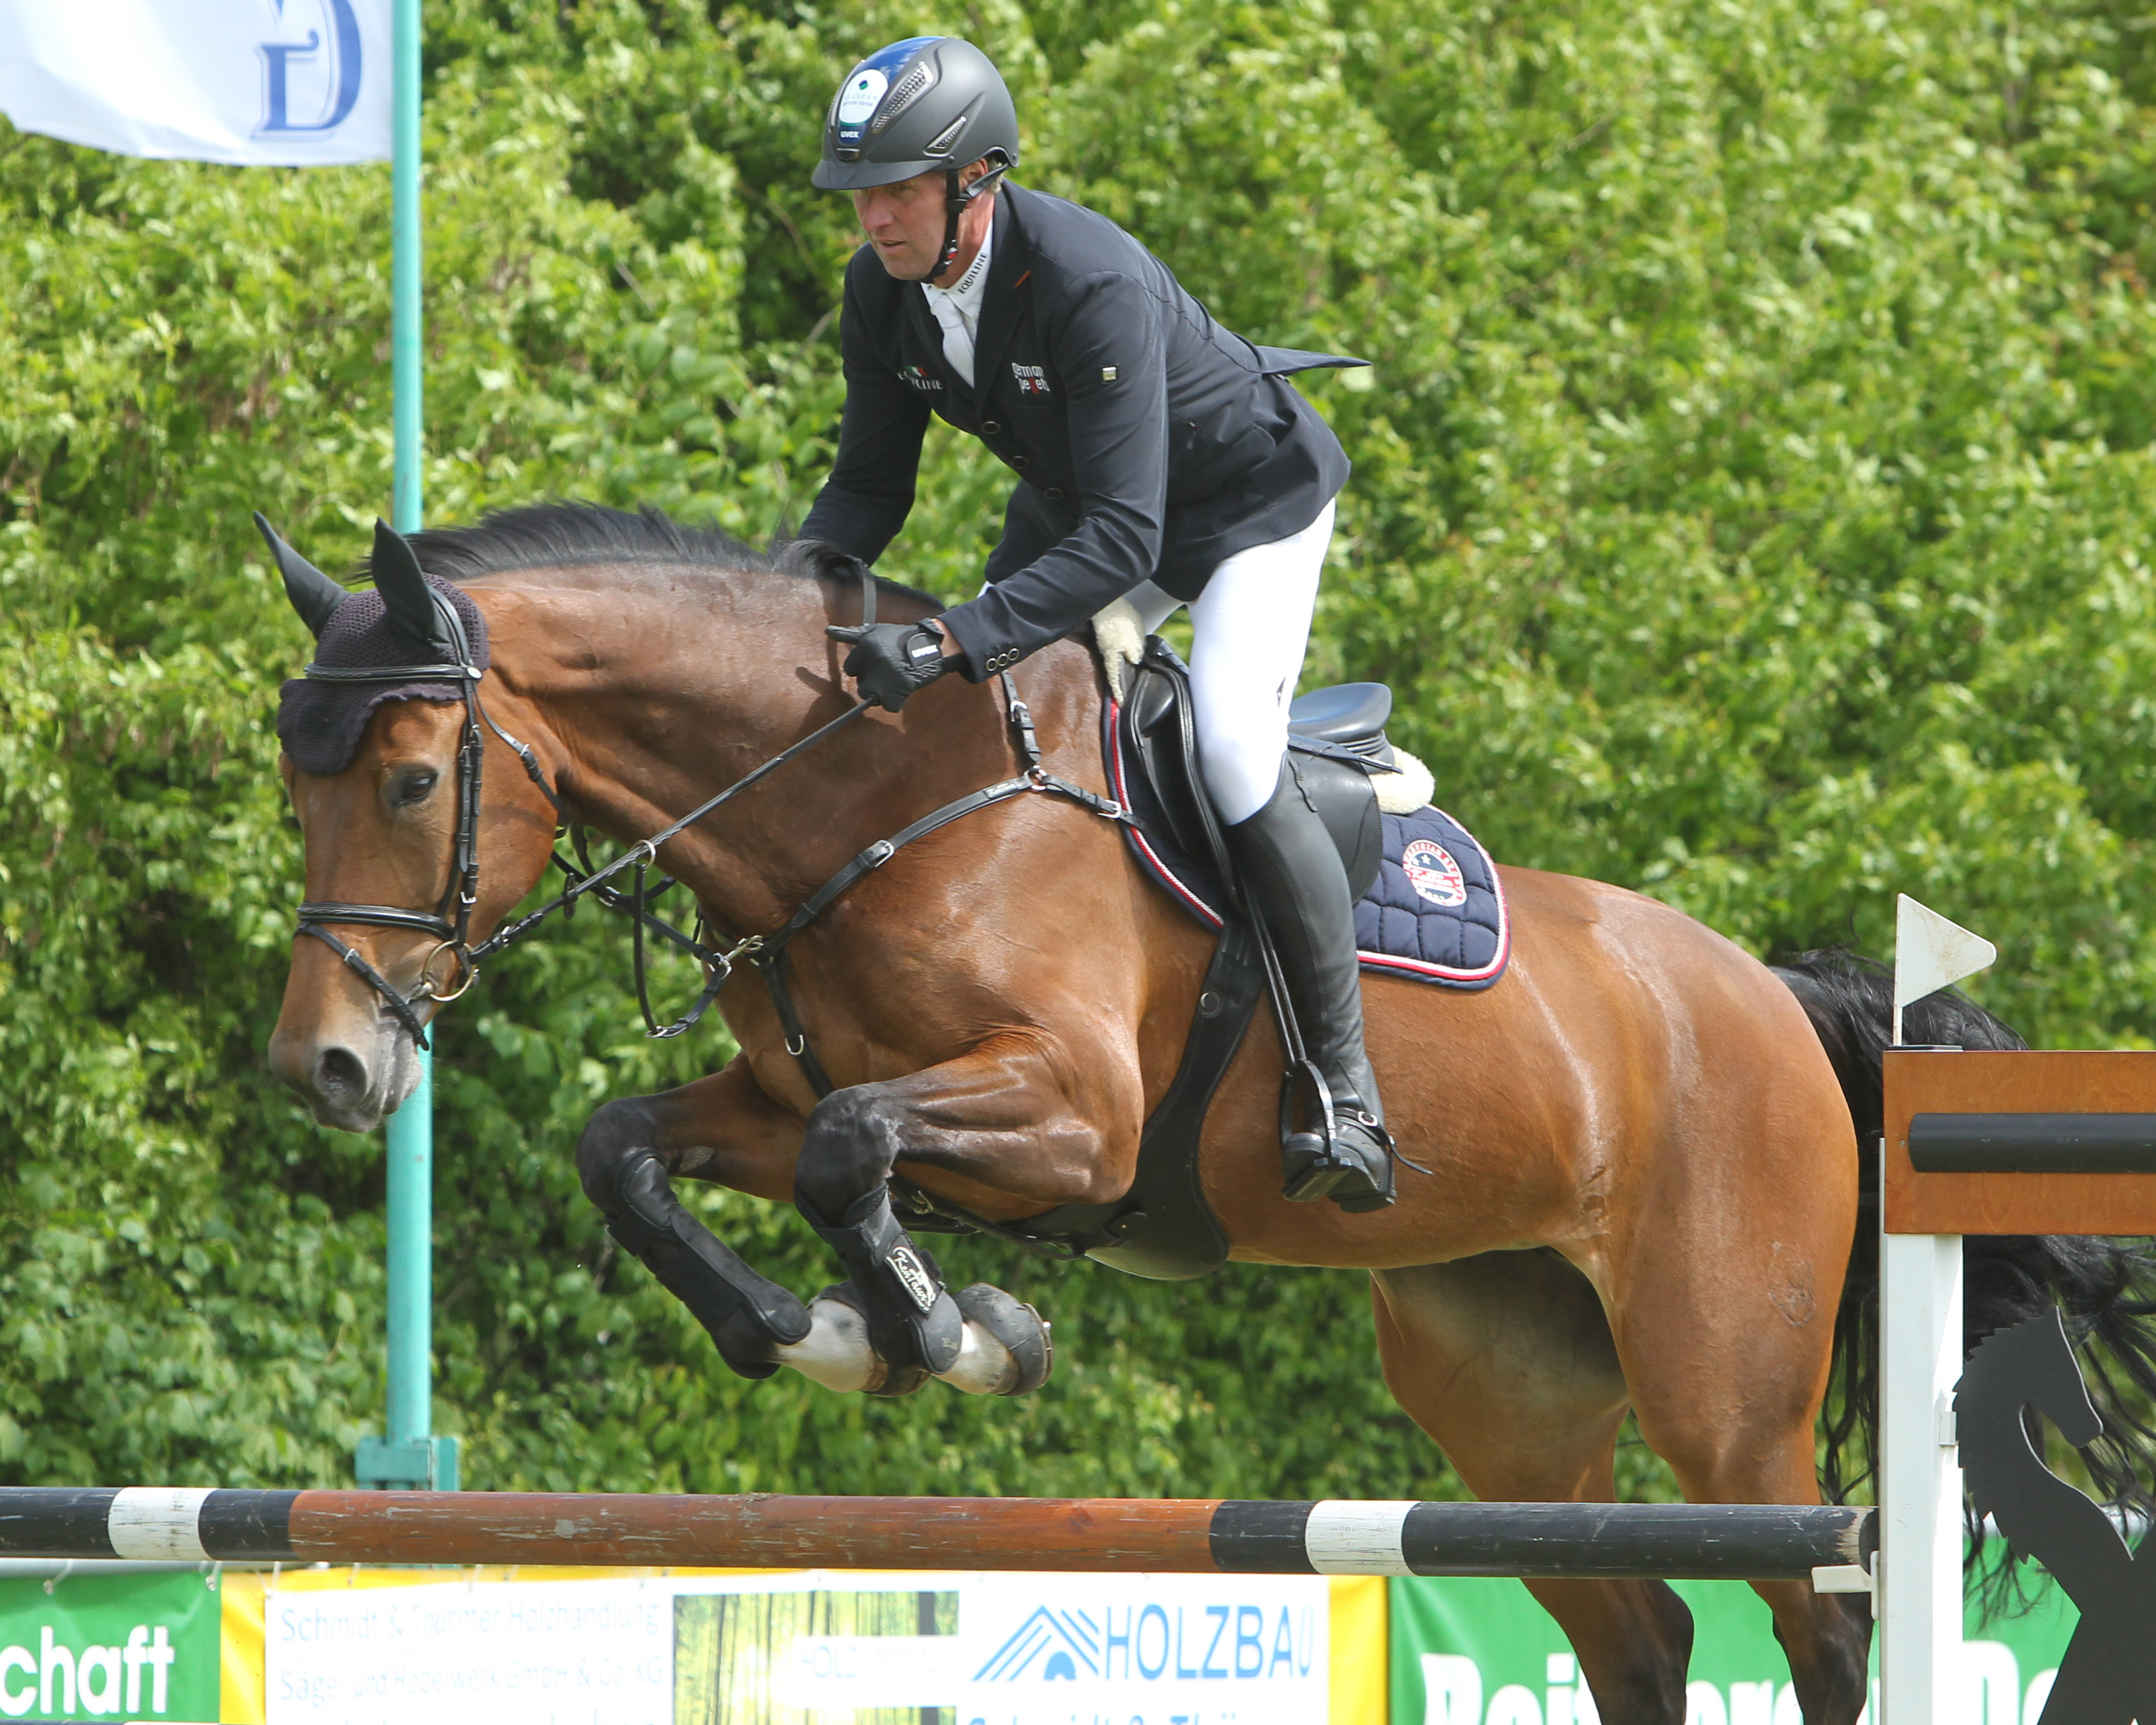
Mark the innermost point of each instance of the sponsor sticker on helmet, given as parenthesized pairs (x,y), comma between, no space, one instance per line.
(1432,872)
(863,91)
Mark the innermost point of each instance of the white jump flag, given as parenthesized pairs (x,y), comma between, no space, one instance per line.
(1930,953)
(254,83)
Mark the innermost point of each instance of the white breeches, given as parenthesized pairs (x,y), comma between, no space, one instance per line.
(1248,631)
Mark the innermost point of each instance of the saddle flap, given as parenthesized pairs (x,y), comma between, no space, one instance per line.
(1160,738)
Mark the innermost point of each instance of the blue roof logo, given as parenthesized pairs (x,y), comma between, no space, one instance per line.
(1065,1643)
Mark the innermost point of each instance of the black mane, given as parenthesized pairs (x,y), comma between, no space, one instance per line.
(566,536)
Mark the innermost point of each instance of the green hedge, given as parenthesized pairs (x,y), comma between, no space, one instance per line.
(1749,507)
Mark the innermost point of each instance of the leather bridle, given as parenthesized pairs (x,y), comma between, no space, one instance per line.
(450,920)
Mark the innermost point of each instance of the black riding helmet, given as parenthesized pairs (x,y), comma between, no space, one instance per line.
(927,104)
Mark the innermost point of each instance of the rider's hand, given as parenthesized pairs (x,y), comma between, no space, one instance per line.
(891,660)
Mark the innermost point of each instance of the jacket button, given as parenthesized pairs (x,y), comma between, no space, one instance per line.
(1055,493)
(990,428)
(1021,463)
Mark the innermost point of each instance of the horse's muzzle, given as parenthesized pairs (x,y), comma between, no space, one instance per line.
(349,1081)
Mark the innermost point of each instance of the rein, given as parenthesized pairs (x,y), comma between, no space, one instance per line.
(450,920)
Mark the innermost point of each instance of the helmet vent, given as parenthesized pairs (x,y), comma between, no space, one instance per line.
(908,90)
(941,143)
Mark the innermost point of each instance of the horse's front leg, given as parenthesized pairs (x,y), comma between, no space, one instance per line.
(725,1129)
(999,1121)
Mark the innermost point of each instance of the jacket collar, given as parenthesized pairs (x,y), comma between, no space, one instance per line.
(1009,264)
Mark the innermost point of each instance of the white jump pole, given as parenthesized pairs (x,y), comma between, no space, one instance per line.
(1919,1588)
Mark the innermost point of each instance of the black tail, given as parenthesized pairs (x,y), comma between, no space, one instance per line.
(2104,1286)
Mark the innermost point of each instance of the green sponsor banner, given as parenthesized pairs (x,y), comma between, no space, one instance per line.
(120,1647)
(1466,1652)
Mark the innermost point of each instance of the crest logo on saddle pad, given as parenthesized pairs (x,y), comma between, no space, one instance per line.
(1431,871)
(920,1286)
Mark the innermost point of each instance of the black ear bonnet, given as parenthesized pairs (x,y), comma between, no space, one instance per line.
(320,723)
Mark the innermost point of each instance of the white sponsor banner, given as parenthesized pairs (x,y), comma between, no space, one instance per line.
(821,1645)
(291,82)
(542,1653)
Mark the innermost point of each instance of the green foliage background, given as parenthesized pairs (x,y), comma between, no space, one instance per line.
(1748,507)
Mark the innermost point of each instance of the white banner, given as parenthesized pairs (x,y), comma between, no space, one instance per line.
(813,1646)
(262,83)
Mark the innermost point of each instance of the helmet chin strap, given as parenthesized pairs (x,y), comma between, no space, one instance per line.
(956,196)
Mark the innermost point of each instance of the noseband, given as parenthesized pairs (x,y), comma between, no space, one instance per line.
(450,920)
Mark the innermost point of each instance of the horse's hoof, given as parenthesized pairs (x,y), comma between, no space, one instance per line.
(838,1353)
(1008,1350)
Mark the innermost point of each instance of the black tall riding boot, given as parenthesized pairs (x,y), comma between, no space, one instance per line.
(1292,871)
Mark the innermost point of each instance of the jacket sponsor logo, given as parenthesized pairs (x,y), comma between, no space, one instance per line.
(1032,380)
(1431,871)
(920,377)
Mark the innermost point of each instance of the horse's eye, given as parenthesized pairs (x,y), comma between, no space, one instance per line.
(415,788)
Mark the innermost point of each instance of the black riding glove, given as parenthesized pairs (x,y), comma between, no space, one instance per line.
(891,660)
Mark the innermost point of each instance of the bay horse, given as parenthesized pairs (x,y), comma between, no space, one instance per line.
(1644,1182)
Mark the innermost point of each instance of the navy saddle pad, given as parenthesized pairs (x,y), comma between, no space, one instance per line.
(1436,912)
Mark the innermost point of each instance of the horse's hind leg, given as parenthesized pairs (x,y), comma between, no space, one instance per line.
(1507,1361)
(1726,1333)
(1827,1636)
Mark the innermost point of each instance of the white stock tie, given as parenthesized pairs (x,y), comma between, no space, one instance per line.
(957,308)
(957,334)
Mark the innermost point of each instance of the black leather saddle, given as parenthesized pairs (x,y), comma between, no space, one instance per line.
(1162,1227)
(1335,741)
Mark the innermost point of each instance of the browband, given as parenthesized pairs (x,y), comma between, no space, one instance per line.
(392,673)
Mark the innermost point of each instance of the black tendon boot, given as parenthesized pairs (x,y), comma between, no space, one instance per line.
(744,1313)
(914,1324)
(1292,873)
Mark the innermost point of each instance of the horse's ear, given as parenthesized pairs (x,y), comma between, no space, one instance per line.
(403,585)
(313,594)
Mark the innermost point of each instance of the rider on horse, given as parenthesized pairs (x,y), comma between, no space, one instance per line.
(1161,459)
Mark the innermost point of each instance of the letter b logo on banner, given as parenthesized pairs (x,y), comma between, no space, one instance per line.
(345,68)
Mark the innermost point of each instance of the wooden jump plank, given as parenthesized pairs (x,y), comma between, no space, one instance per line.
(2090,1097)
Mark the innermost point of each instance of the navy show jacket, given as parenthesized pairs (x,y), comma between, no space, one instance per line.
(1150,443)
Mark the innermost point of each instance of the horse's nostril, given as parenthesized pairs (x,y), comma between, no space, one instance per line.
(339,1073)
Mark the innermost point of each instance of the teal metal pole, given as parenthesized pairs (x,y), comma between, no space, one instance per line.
(409,1456)
(405,314)
(411,1268)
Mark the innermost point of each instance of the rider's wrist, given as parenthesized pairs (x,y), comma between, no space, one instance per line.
(928,647)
